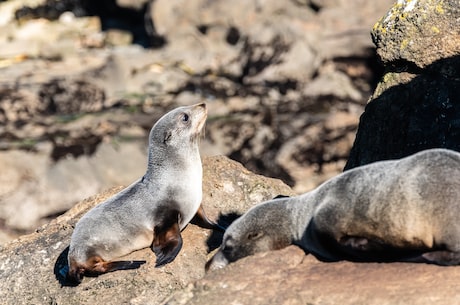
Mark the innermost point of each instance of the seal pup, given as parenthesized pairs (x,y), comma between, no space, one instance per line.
(398,210)
(153,210)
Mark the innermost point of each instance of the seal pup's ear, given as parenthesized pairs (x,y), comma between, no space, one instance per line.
(281,196)
(167,136)
(167,241)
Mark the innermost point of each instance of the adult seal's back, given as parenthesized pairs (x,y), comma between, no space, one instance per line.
(153,210)
(400,210)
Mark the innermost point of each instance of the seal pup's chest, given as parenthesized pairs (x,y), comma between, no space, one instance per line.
(186,192)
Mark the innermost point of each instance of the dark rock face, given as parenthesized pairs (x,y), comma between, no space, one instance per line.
(416,105)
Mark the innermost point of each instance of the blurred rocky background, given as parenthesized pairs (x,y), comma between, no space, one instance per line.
(82,82)
(285,84)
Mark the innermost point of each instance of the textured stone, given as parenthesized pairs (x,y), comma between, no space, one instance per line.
(418,31)
(289,277)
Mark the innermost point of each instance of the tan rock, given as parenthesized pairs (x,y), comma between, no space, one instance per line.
(289,277)
(418,31)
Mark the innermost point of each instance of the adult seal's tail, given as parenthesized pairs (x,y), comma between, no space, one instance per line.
(399,210)
(153,210)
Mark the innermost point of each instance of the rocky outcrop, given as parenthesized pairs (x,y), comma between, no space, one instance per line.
(30,266)
(290,277)
(416,105)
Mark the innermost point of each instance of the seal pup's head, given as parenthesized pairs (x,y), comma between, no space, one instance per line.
(174,137)
(263,228)
(179,125)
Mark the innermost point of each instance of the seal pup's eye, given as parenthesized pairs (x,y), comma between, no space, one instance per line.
(185,117)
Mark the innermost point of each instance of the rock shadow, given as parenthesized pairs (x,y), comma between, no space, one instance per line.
(61,267)
(224,220)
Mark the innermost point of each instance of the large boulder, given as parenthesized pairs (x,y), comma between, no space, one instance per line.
(289,277)
(30,265)
(416,105)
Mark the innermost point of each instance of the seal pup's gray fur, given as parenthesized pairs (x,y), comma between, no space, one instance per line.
(399,210)
(153,210)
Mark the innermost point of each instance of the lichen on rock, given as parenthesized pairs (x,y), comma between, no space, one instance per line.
(418,31)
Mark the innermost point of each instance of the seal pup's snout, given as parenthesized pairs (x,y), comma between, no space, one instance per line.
(200,113)
(202,105)
(218,261)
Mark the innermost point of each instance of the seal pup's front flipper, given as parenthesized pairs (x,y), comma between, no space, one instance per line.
(202,220)
(167,240)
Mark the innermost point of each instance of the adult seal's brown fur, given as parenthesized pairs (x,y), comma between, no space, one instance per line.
(153,210)
(399,210)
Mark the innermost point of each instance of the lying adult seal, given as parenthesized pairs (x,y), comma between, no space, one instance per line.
(399,210)
(153,210)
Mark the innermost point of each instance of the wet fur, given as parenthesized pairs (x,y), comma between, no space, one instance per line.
(398,210)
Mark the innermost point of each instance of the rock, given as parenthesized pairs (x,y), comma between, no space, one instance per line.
(418,32)
(28,263)
(61,96)
(289,277)
(34,189)
(332,82)
(8,8)
(416,105)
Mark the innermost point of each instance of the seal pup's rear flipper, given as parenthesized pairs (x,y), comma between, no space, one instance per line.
(201,219)
(96,265)
(167,241)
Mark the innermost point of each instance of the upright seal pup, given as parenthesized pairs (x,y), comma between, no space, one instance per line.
(399,210)
(153,210)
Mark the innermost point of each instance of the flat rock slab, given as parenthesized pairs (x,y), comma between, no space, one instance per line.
(290,277)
